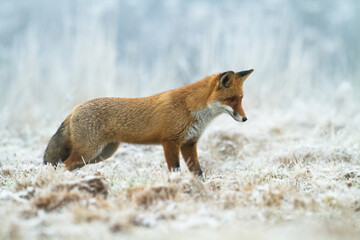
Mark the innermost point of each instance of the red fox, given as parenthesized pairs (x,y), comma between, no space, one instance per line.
(175,119)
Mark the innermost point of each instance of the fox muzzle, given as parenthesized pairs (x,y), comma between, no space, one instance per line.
(237,117)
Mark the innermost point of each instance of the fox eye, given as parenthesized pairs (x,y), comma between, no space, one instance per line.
(232,99)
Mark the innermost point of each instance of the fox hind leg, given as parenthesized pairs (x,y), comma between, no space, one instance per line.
(107,152)
(75,160)
(79,157)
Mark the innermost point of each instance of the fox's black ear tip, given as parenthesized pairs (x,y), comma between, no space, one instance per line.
(244,73)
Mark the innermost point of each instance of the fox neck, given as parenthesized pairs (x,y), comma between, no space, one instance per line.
(204,112)
(202,118)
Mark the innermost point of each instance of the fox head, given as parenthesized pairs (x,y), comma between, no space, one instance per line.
(228,93)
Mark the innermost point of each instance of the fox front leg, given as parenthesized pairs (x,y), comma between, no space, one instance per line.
(189,153)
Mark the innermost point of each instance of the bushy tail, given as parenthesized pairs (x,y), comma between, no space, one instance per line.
(59,147)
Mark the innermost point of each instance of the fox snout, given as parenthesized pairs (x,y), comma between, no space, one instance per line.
(237,117)
(241,119)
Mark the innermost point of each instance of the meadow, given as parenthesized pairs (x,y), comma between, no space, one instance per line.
(292,170)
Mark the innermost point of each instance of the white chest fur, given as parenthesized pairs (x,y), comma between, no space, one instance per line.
(203,118)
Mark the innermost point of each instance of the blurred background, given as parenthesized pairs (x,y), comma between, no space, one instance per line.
(56,54)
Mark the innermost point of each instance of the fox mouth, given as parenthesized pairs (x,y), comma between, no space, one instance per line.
(237,117)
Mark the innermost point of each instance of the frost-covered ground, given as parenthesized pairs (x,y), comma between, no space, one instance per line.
(279,175)
(292,171)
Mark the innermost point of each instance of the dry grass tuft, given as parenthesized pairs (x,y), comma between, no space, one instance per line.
(150,195)
(53,194)
(93,185)
(312,154)
(118,226)
(53,200)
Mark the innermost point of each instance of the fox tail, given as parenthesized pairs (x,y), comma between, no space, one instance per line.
(59,147)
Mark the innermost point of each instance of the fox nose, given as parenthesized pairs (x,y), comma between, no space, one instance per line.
(244,119)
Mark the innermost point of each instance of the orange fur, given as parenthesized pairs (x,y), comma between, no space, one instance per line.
(175,119)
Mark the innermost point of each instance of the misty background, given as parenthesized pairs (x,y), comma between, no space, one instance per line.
(57,54)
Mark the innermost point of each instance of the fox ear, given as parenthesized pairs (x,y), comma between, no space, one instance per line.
(225,79)
(244,74)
